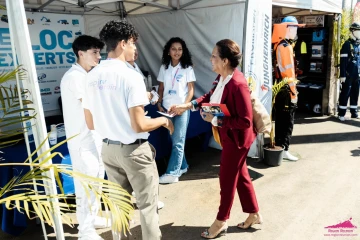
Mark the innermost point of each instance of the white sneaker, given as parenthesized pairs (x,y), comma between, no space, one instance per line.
(101,222)
(289,156)
(168,179)
(342,118)
(160,205)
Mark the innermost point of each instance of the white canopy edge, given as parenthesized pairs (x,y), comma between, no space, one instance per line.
(330,6)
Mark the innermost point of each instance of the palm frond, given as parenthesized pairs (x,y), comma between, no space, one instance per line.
(116,200)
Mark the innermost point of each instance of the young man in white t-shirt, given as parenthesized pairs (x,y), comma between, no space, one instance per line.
(114,107)
(84,148)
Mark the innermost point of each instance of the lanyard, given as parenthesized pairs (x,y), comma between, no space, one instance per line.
(173,81)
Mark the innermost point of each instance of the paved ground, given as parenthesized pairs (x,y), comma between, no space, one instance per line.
(297,200)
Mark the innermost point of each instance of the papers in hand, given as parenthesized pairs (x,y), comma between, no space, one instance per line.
(216,109)
(166,114)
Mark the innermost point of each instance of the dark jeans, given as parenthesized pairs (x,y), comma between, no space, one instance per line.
(349,88)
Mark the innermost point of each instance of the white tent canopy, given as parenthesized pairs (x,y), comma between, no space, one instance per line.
(132,7)
(318,6)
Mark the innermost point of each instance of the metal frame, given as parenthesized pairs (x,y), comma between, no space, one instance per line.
(45,4)
(155,4)
(189,3)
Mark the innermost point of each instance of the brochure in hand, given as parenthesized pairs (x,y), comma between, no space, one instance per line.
(215,109)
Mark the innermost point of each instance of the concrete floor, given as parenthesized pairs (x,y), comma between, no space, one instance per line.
(297,199)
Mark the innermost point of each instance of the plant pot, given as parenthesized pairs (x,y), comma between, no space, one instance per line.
(273,156)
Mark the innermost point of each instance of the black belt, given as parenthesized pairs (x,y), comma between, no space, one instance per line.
(137,141)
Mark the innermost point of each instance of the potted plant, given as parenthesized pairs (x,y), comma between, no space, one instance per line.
(273,154)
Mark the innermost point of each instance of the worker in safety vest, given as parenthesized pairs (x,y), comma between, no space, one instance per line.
(350,72)
(284,35)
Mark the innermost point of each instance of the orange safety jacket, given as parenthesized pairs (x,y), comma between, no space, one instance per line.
(285,66)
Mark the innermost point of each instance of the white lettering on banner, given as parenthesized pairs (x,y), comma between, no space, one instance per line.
(51,38)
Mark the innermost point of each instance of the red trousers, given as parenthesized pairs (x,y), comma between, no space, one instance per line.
(234,175)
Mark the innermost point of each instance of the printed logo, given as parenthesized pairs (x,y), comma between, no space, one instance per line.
(45,91)
(343,229)
(264,88)
(30,21)
(57,89)
(4,18)
(42,76)
(45,20)
(63,21)
(178,77)
(75,22)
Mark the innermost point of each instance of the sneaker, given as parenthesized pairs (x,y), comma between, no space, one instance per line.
(183,171)
(355,116)
(289,156)
(342,118)
(160,205)
(168,179)
(101,222)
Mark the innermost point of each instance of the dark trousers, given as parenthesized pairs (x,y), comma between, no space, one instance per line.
(284,125)
(234,175)
(349,88)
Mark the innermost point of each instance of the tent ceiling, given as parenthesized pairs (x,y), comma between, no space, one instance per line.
(112,7)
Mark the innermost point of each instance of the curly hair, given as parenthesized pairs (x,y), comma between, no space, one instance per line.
(229,49)
(115,31)
(185,59)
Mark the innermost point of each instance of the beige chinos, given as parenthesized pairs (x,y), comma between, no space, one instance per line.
(134,168)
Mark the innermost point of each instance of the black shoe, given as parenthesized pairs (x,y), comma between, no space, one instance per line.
(355,116)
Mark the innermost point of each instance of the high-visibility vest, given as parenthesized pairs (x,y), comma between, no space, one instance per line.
(286,66)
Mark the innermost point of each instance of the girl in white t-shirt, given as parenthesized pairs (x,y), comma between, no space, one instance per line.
(176,86)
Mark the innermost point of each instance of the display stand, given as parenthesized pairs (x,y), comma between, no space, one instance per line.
(311,52)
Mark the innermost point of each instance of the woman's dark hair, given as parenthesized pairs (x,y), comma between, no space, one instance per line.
(115,31)
(229,49)
(84,43)
(185,59)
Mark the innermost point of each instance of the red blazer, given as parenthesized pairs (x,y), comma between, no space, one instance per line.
(238,128)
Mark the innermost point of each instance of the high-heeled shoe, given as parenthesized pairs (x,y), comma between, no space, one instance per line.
(222,232)
(258,220)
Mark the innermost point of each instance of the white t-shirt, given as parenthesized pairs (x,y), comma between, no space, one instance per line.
(175,81)
(112,88)
(72,90)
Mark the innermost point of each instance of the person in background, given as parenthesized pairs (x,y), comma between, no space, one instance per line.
(85,148)
(132,65)
(236,135)
(176,86)
(114,106)
(350,73)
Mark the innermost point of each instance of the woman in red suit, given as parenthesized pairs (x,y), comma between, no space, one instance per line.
(236,135)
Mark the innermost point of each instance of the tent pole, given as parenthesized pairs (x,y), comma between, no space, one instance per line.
(22,113)
(16,10)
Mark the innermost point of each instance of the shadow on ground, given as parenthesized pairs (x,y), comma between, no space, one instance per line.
(178,232)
